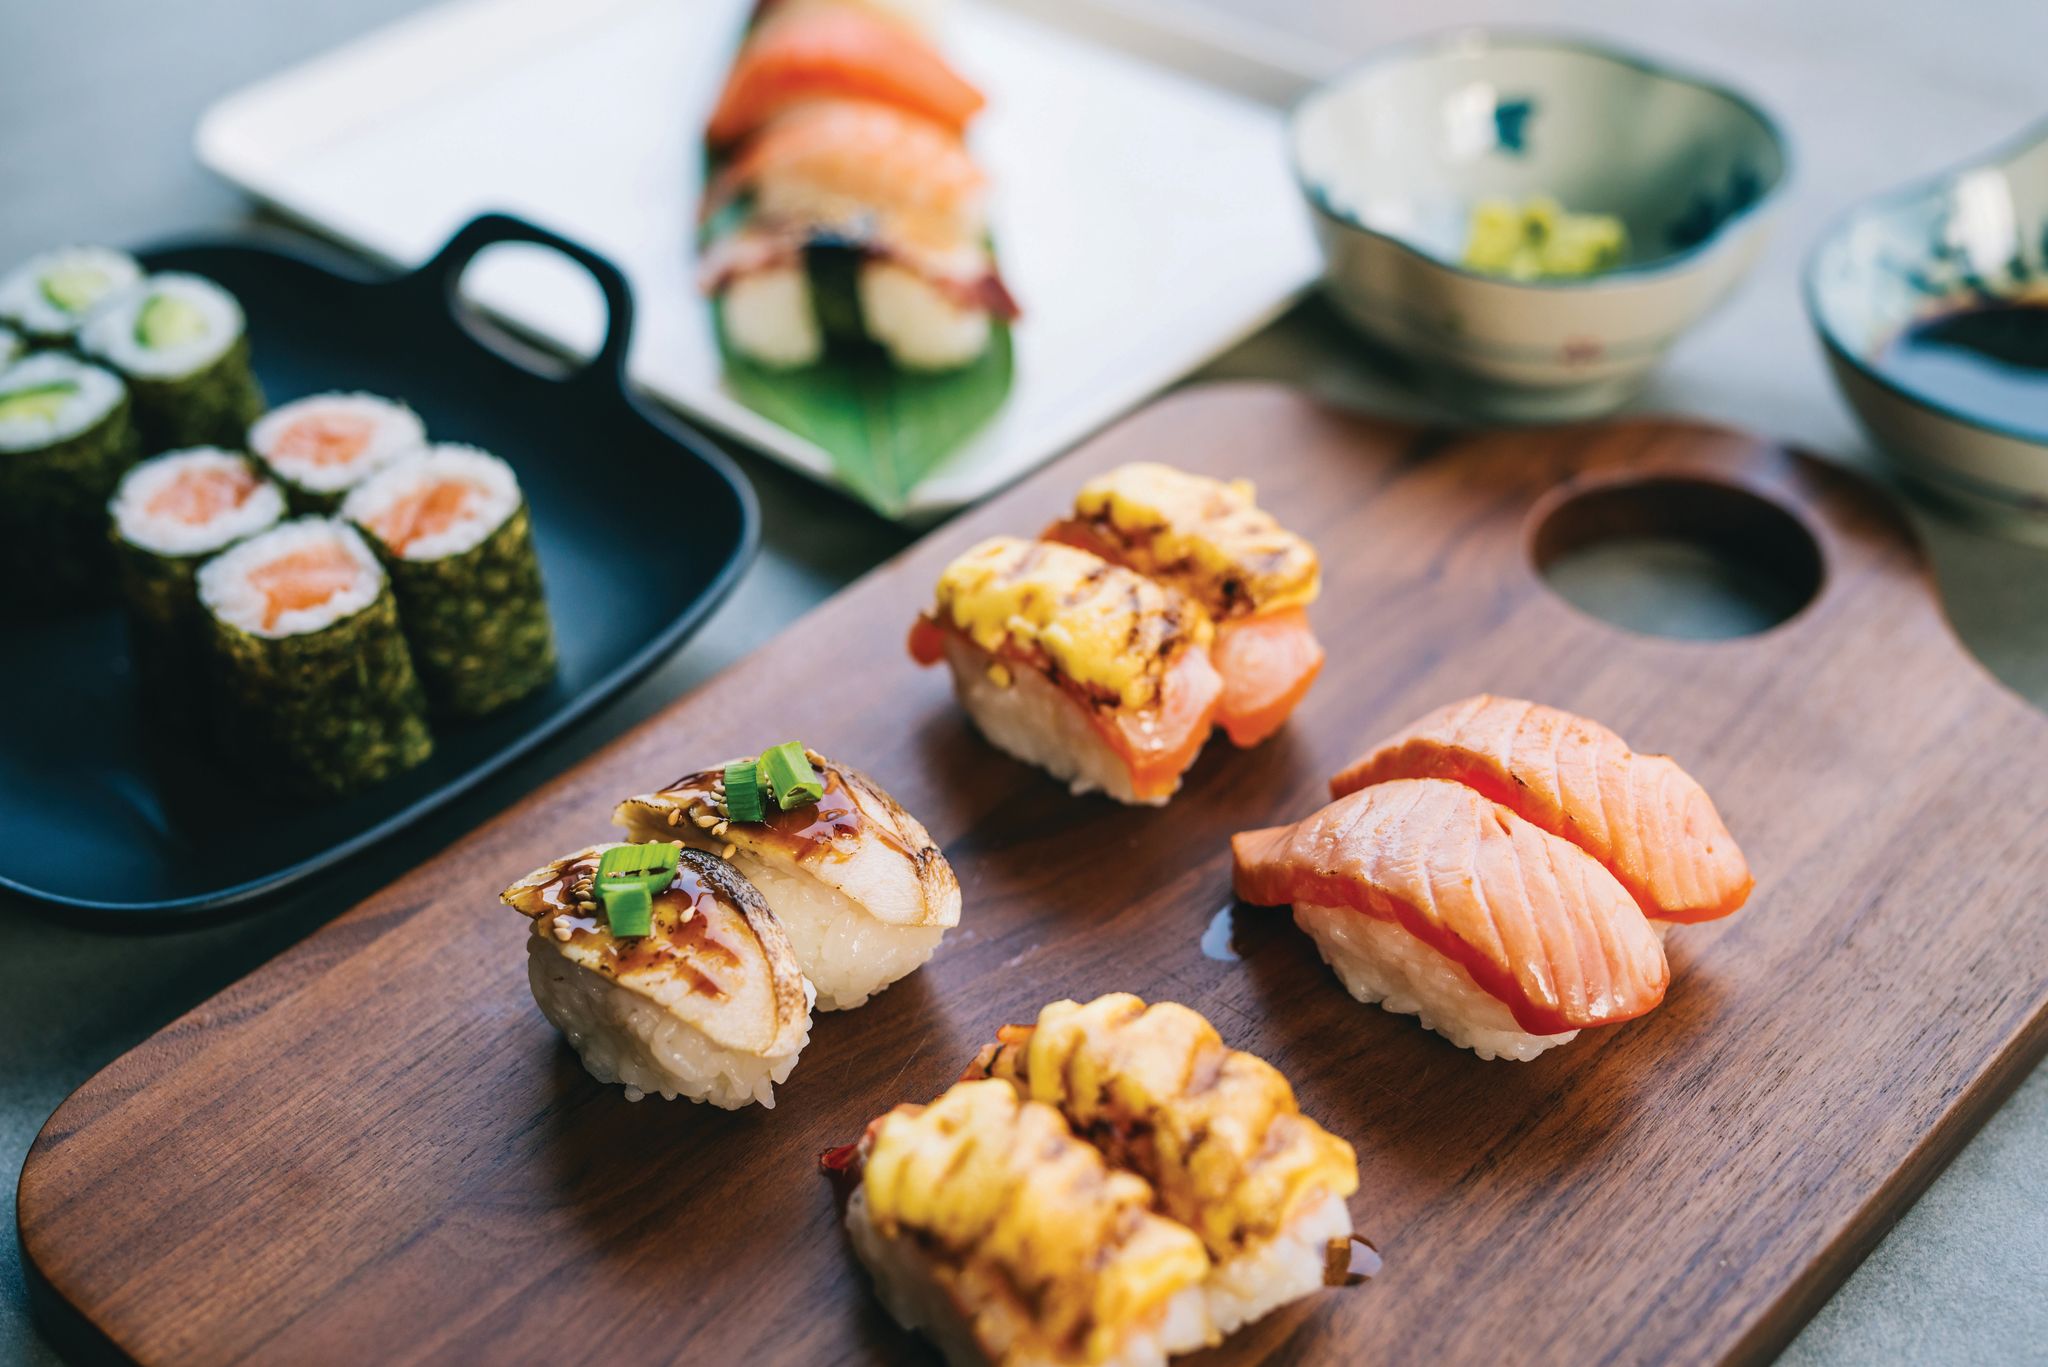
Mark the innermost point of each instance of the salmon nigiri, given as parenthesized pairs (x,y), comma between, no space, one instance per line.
(1096,674)
(1432,901)
(1209,539)
(1641,816)
(798,53)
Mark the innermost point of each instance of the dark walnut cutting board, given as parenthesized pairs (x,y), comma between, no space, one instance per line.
(375,1150)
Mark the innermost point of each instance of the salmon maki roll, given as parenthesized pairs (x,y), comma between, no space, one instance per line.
(990,1228)
(1433,901)
(1090,671)
(855,880)
(1641,816)
(699,997)
(800,53)
(1214,1130)
(1210,539)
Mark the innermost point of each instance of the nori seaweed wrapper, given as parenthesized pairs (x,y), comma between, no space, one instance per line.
(167,631)
(53,516)
(478,620)
(211,406)
(328,712)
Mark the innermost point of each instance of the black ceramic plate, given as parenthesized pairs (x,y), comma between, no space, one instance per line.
(94,818)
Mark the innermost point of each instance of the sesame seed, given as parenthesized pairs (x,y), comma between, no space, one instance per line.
(728,852)
(675,815)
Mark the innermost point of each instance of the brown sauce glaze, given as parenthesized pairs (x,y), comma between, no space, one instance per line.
(682,938)
(807,831)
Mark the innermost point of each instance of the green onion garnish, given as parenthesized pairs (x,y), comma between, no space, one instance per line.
(743,791)
(790,776)
(628,876)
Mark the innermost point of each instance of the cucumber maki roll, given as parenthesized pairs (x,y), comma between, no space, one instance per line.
(456,538)
(65,439)
(169,514)
(316,688)
(47,297)
(181,343)
(320,447)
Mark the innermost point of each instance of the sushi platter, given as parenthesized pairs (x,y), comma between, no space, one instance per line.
(1113,181)
(110,807)
(441,1179)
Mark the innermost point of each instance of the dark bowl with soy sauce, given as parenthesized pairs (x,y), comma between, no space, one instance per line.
(1932,305)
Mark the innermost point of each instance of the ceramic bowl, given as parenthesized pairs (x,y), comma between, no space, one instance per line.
(1394,155)
(1977,233)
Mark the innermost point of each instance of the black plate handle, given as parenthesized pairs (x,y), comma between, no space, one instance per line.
(442,276)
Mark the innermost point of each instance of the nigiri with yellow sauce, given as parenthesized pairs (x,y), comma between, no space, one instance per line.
(988,1226)
(1210,539)
(1215,1131)
(1093,672)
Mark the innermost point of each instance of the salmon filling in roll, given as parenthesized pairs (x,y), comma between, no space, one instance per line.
(1096,674)
(1209,539)
(323,446)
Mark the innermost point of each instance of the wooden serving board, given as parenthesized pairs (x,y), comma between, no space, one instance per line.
(374,1149)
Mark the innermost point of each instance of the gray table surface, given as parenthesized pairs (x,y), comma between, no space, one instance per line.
(97,101)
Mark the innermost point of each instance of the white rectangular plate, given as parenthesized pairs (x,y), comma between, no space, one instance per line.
(1145,218)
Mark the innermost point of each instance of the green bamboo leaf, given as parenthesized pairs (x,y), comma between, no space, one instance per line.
(886,429)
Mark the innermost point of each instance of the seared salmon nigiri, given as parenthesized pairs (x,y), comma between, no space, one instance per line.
(1641,816)
(1209,539)
(666,972)
(1214,1130)
(854,880)
(1434,901)
(1009,1242)
(1093,672)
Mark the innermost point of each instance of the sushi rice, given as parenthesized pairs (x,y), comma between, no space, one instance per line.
(322,446)
(623,1037)
(455,535)
(1381,963)
(48,296)
(169,514)
(181,342)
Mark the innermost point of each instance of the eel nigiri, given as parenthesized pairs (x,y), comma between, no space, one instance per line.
(1214,1130)
(1433,901)
(856,882)
(1641,816)
(1006,1240)
(703,1000)
(842,200)
(1211,540)
(1091,671)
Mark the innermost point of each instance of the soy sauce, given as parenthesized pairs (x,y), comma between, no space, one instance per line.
(1989,363)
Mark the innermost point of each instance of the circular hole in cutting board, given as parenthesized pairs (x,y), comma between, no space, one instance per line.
(1688,558)
(511,287)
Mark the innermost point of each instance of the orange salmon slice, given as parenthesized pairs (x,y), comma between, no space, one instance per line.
(839,54)
(199,495)
(1641,816)
(426,511)
(303,579)
(323,439)
(1536,922)
(1267,663)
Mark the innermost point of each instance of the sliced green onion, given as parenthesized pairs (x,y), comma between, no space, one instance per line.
(743,791)
(628,877)
(38,402)
(790,776)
